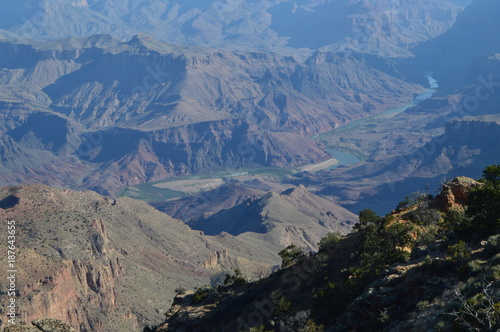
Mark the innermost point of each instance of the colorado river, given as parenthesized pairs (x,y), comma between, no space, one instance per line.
(172,188)
(345,158)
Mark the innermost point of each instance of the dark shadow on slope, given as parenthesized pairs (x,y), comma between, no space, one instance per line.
(9,202)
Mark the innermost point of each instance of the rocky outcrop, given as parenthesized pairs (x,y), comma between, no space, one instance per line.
(216,258)
(79,291)
(456,192)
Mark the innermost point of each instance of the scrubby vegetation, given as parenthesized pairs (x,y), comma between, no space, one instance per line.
(427,266)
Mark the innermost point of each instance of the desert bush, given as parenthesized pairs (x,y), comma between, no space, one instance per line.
(291,255)
(261,328)
(235,280)
(202,294)
(422,305)
(458,252)
(480,312)
(311,326)
(329,240)
(283,306)
(493,245)
(474,267)
(368,216)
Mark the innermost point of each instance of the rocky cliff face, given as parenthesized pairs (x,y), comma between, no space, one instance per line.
(216,258)
(110,265)
(77,293)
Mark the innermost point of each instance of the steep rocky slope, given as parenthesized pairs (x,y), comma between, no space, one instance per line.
(91,261)
(283,26)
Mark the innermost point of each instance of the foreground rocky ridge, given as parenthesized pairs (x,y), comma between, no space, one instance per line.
(431,264)
(91,261)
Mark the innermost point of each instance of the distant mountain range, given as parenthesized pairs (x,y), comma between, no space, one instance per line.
(281,26)
(73,117)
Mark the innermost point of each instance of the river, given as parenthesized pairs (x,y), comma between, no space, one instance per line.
(345,158)
(158,191)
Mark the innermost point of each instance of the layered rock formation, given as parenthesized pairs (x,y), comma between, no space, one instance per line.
(216,258)
(75,117)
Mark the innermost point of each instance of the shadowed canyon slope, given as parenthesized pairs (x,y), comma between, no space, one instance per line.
(70,104)
(294,214)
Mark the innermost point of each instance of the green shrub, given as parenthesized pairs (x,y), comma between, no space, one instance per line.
(458,252)
(281,303)
(422,305)
(283,306)
(493,245)
(384,316)
(480,312)
(261,328)
(385,245)
(455,219)
(202,294)
(495,272)
(312,327)
(291,255)
(329,240)
(474,267)
(368,216)
(235,280)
